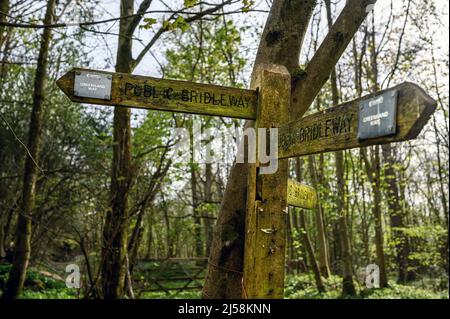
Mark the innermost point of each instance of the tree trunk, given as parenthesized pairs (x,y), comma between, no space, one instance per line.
(321,236)
(373,172)
(22,246)
(373,169)
(4,7)
(312,260)
(207,221)
(116,224)
(396,215)
(348,287)
(281,43)
(195,199)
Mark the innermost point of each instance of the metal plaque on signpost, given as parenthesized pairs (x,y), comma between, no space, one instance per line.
(378,116)
(92,85)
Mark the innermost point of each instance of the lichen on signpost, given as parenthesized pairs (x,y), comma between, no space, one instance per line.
(265,233)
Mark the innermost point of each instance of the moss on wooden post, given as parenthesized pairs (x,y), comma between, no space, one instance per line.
(265,235)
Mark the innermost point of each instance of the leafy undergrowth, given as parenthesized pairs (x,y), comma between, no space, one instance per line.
(38,286)
(303,287)
(189,294)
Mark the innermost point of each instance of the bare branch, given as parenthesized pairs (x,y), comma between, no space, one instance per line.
(309,83)
(163,29)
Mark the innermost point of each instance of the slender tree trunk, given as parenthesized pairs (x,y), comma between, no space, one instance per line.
(321,236)
(312,260)
(396,214)
(379,236)
(374,169)
(116,224)
(373,172)
(4,7)
(22,246)
(169,240)
(208,199)
(348,287)
(148,254)
(195,200)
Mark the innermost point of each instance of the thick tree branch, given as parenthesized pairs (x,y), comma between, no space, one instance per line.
(139,14)
(284,32)
(308,85)
(280,44)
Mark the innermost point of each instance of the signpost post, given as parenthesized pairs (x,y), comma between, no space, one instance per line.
(265,231)
(393,115)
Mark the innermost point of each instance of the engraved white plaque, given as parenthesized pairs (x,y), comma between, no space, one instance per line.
(92,85)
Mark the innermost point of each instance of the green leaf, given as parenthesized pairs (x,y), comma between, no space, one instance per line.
(148,22)
(181,24)
(190,3)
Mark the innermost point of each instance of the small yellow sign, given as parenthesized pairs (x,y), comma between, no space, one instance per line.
(300,195)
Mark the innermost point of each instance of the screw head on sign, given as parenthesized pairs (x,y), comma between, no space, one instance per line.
(75,92)
(109,77)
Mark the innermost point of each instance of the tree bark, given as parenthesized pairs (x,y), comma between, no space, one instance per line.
(116,225)
(348,287)
(396,214)
(321,235)
(373,172)
(196,200)
(22,246)
(4,7)
(281,44)
(207,222)
(312,260)
(285,28)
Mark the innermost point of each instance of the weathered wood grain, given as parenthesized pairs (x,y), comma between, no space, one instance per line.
(145,92)
(265,231)
(337,128)
(300,195)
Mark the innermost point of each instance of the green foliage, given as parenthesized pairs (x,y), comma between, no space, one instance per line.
(34,280)
(247,5)
(430,241)
(188,294)
(65,293)
(148,22)
(190,3)
(396,291)
(179,23)
(303,287)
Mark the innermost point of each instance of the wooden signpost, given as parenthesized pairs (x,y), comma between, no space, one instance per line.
(393,115)
(121,89)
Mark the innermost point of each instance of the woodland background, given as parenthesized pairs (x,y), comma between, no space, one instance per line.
(394,198)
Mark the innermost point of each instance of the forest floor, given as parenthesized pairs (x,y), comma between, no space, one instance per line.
(38,286)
